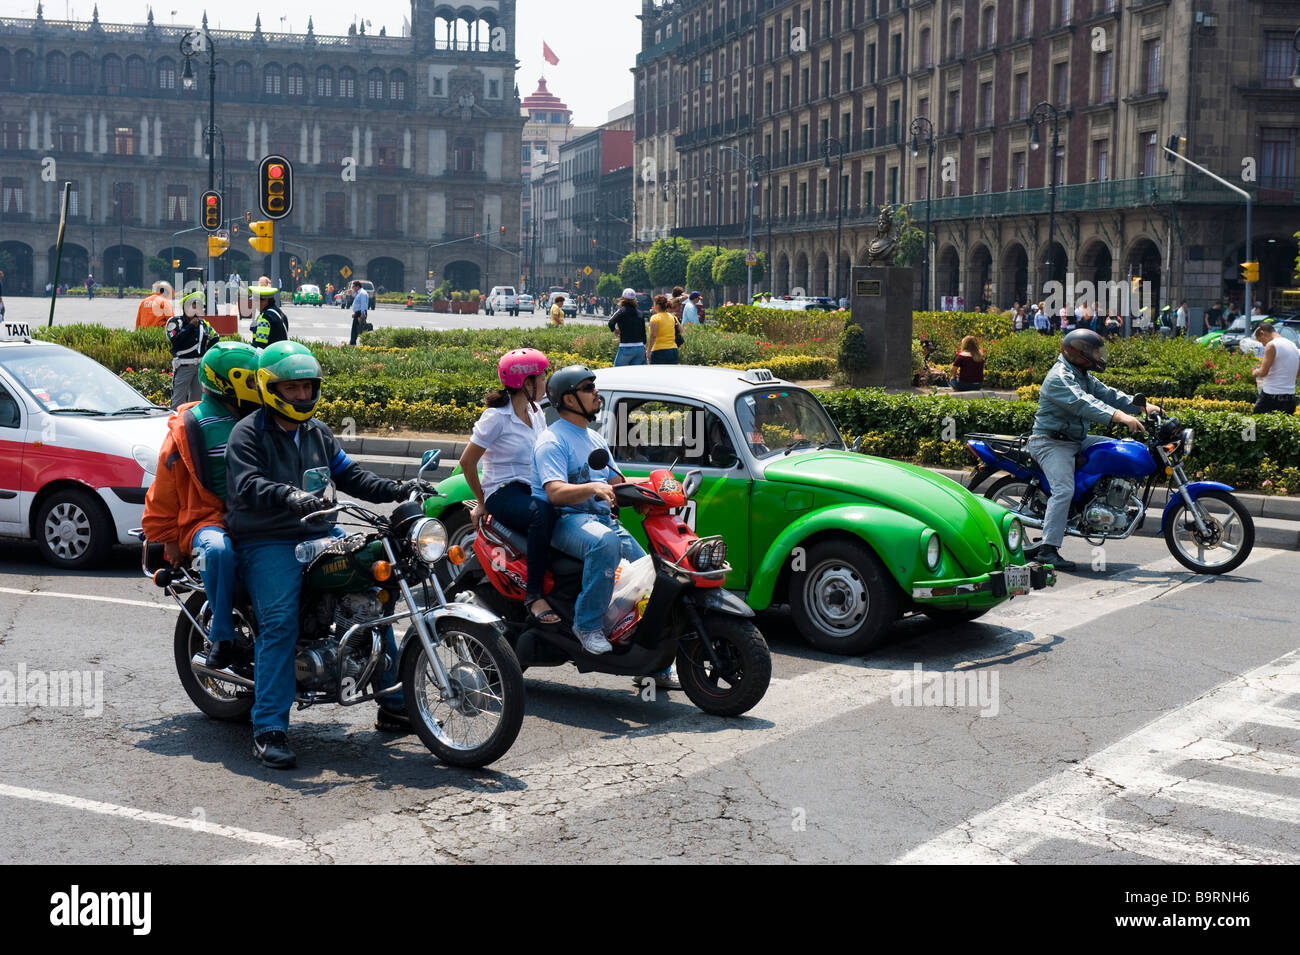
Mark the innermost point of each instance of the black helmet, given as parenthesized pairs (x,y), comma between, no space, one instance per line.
(566,382)
(1085,348)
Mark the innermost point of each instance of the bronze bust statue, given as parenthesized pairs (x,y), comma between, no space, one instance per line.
(882,249)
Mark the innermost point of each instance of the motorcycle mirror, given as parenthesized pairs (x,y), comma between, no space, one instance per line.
(598,460)
(317,481)
(691,483)
(429,462)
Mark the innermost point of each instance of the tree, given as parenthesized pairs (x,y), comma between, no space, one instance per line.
(699,268)
(911,240)
(158,267)
(1297,255)
(729,268)
(666,262)
(609,285)
(632,271)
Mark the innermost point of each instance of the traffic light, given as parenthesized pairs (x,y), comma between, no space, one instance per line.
(1250,271)
(1177,144)
(275,187)
(1135,284)
(176,263)
(217,246)
(210,210)
(263,236)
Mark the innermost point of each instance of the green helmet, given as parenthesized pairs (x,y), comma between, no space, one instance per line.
(229,372)
(193,304)
(289,361)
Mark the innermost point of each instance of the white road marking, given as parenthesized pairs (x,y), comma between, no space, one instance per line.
(141,815)
(548,794)
(1074,804)
(108,600)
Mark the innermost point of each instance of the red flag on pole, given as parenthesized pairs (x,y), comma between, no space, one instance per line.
(549,55)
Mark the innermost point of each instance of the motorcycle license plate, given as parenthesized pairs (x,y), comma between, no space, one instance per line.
(1017,580)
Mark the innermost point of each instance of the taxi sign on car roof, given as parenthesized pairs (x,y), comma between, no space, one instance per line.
(15,331)
(757,376)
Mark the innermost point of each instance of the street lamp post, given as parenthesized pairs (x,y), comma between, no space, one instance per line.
(838,147)
(666,188)
(121,233)
(193,43)
(1295,75)
(712,177)
(922,130)
(752,165)
(1042,113)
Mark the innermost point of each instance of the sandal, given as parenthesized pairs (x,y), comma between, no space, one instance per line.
(547,618)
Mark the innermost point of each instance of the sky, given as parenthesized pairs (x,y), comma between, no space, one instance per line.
(596,40)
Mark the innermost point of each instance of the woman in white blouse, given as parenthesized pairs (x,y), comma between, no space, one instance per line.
(503,439)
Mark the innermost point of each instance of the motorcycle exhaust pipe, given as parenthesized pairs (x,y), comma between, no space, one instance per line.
(196,664)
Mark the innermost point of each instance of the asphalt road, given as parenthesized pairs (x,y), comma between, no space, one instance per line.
(306,322)
(1133,714)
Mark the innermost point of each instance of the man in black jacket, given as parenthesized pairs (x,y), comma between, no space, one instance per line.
(266,457)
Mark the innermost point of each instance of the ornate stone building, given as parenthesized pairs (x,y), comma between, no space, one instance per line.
(403,148)
(822,94)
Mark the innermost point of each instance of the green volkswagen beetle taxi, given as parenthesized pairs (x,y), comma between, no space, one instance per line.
(850,542)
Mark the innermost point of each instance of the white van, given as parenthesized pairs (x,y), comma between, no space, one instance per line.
(502,298)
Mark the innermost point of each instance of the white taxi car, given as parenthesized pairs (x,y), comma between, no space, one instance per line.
(78,450)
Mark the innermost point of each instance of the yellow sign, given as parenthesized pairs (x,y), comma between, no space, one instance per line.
(586,270)
(751,257)
(345,271)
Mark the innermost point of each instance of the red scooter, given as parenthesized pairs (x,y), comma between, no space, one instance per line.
(723,661)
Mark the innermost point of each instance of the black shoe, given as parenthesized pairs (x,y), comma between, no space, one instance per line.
(390,721)
(272,750)
(221,655)
(1050,555)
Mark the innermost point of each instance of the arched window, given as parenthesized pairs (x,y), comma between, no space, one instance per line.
(112,67)
(397,86)
(272,76)
(135,73)
(347,83)
(375,85)
(954,37)
(56,69)
(926,58)
(6,70)
(243,79)
(296,81)
(324,82)
(223,77)
(988,26)
(464,157)
(80,71)
(166,74)
(24,70)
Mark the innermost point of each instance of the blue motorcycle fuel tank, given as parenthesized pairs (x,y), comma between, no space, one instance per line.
(1119,458)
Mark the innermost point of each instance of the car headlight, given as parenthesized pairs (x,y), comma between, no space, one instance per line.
(429,538)
(933,550)
(1187,441)
(1015,532)
(146,457)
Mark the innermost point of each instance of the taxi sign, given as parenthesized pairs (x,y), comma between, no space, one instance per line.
(15,331)
(345,271)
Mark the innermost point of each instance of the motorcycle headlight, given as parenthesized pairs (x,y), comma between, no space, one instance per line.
(1187,441)
(933,551)
(429,538)
(708,554)
(1015,531)
(146,457)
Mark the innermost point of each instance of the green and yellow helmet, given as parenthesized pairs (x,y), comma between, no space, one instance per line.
(288,361)
(229,371)
(194,304)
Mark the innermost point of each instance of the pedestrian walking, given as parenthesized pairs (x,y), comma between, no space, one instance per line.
(90,287)
(630,326)
(661,348)
(360,306)
(557,310)
(1041,322)
(1180,320)
(691,310)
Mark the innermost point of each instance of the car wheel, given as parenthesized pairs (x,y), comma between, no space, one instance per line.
(73,529)
(844,601)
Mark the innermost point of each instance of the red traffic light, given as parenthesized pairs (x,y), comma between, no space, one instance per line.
(212,200)
(275,171)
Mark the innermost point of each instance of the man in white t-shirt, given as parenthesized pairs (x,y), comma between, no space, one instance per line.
(1276,372)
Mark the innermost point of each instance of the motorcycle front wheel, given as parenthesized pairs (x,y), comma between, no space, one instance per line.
(746,670)
(478,723)
(1230,537)
(216,698)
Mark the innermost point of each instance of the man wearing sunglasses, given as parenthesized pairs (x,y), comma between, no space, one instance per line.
(586,528)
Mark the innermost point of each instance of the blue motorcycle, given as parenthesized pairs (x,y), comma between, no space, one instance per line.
(1205,527)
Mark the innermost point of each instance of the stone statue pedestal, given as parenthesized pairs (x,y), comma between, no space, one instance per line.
(881,302)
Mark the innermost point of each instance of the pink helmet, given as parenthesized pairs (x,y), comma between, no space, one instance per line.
(519,364)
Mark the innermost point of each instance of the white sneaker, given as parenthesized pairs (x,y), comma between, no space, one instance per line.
(594,642)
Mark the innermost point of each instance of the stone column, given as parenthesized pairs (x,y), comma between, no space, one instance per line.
(881,303)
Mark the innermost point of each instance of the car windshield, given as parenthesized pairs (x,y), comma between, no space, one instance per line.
(64,381)
(1238,324)
(782,419)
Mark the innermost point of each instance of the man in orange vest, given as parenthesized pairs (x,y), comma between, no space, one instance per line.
(156,308)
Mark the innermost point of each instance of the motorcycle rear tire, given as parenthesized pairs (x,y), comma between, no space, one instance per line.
(234,707)
(417,675)
(738,642)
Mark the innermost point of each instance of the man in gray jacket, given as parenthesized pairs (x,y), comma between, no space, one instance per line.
(1070,401)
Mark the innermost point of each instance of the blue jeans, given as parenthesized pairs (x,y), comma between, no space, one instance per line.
(216,559)
(516,508)
(599,542)
(632,355)
(274,580)
(664,356)
(1056,459)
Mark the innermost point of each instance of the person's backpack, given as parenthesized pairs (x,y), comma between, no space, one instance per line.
(677,332)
